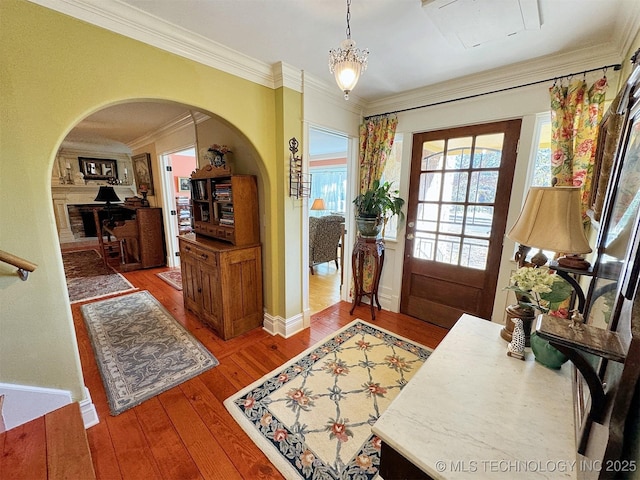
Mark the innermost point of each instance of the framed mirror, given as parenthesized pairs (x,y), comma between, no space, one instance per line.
(98,168)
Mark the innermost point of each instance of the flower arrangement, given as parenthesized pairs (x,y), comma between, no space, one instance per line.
(539,288)
(221,150)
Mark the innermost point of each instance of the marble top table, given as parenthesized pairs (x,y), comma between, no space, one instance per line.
(473,412)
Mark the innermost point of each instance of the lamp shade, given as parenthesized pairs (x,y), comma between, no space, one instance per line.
(551,220)
(107,194)
(318,204)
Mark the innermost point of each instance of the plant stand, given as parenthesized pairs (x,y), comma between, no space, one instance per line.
(364,247)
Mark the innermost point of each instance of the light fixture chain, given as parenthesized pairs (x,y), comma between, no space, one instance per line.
(348,18)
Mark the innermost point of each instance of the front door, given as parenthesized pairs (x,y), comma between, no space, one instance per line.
(457,211)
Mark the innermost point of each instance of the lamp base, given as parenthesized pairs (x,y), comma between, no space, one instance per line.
(539,259)
(573,261)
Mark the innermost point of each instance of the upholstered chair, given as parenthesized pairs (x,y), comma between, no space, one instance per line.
(324,237)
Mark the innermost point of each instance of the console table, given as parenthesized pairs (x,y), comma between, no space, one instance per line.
(364,248)
(472,412)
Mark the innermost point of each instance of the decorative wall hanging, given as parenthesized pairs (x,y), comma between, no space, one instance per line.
(299,183)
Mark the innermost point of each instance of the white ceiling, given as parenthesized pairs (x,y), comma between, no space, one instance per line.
(407,49)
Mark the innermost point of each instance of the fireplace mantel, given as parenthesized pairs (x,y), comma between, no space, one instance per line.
(65,195)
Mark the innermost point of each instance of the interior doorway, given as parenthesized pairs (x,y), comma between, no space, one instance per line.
(178,167)
(328,153)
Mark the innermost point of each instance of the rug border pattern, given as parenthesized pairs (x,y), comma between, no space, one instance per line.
(269,446)
(114,408)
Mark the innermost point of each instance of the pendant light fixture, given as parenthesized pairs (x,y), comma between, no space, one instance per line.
(347,62)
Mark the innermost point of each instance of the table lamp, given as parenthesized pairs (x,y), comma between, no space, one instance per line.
(551,219)
(318,204)
(107,194)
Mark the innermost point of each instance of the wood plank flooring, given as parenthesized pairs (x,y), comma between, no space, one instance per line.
(324,287)
(186,432)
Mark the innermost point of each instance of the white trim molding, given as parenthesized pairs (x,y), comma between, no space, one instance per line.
(276,325)
(88,410)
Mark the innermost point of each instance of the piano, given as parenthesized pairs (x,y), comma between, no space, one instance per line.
(142,238)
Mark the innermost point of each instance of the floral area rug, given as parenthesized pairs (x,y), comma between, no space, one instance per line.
(89,278)
(312,417)
(173,277)
(141,350)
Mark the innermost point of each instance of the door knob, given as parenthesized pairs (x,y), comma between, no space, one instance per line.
(411,224)
(410,236)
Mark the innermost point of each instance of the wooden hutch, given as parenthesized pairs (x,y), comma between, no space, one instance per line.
(221,260)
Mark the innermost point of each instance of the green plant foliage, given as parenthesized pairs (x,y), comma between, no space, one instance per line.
(379,201)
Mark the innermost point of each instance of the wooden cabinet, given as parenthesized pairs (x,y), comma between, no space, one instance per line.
(142,239)
(222,284)
(225,207)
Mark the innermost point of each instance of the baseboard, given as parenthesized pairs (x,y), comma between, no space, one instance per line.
(88,410)
(277,325)
(23,403)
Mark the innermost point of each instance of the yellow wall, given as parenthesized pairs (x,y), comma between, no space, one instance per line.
(54,71)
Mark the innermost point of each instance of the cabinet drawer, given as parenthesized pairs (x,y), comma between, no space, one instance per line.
(199,254)
(186,249)
(206,256)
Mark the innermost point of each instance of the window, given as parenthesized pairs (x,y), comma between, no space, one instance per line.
(391,174)
(541,172)
(330,184)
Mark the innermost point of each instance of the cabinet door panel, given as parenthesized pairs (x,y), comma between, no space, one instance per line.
(242,281)
(211,297)
(190,281)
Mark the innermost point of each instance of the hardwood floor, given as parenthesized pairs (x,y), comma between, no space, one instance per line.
(324,287)
(186,432)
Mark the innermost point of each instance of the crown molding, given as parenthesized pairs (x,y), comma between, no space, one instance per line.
(138,25)
(179,122)
(285,75)
(624,36)
(512,76)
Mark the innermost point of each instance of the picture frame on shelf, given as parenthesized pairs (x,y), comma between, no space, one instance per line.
(184,184)
(98,168)
(143,172)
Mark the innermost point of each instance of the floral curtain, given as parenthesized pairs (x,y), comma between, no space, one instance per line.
(576,111)
(376,141)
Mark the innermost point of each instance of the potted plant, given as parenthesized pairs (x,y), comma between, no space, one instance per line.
(375,206)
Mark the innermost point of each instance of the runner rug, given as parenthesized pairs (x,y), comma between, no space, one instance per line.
(89,278)
(172,277)
(141,350)
(312,417)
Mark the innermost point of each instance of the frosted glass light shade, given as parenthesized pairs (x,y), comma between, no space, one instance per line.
(551,220)
(347,64)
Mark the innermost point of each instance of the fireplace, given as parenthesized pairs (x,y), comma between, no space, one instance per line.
(73,208)
(83,224)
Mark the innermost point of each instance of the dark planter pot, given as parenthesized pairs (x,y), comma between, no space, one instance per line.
(368,227)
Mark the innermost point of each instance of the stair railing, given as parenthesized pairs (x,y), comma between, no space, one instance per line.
(24,266)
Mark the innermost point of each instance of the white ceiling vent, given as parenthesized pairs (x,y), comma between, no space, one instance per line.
(473,22)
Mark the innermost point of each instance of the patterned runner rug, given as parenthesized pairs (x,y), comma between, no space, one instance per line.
(141,350)
(312,417)
(173,277)
(89,278)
